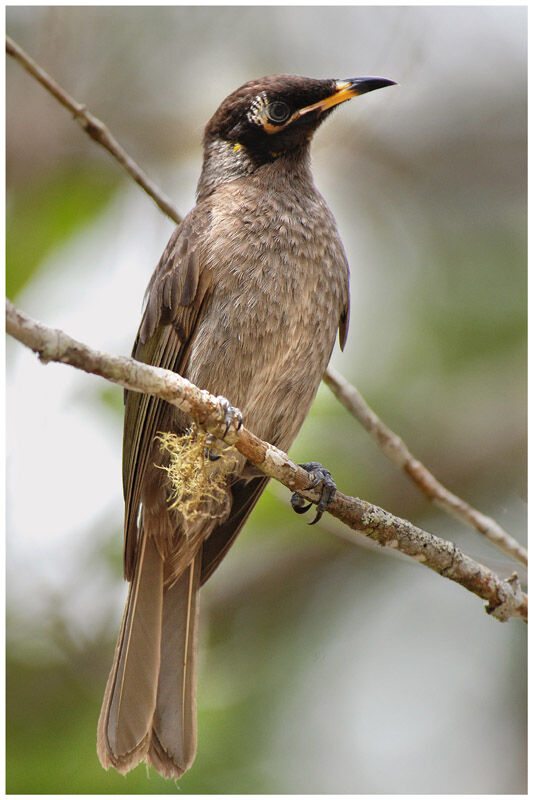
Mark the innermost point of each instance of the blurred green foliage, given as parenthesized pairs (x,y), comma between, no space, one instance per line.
(44,213)
(113,397)
(470,318)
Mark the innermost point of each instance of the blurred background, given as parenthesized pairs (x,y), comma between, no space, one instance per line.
(326,665)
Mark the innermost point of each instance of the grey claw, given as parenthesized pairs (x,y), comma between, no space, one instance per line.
(211,454)
(231,415)
(319,475)
(298,504)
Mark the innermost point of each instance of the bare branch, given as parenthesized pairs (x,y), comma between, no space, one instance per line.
(94,127)
(504,598)
(397,451)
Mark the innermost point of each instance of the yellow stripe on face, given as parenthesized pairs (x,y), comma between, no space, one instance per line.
(344,91)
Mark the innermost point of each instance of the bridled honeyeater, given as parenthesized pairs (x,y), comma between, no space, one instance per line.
(245,302)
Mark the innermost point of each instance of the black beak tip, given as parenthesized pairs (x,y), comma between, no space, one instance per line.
(363,85)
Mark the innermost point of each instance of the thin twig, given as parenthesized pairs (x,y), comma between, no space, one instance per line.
(94,127)
(397,451)
(504,598)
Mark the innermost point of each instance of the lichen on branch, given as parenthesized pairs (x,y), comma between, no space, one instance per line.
(196,484)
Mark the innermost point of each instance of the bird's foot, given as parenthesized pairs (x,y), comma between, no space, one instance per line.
(232,416)
(319,475)
(210,450)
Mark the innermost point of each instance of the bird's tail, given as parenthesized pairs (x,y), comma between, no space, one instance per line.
(149,708)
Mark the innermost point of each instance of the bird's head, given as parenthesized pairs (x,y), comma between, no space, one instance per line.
(269,117)
(272,115)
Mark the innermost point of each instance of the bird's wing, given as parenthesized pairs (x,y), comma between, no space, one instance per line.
(245,495)
(344,319)
(175,300)
(344,322)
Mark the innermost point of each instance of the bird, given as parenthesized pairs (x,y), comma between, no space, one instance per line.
(246,302)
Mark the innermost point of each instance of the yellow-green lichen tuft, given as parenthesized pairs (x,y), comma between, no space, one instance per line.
(197,486)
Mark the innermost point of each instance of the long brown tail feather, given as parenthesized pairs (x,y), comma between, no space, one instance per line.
(124,727)
(173,746)
(149,708)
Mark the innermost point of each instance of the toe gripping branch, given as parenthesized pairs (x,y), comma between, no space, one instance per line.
(232,417)
(319,475)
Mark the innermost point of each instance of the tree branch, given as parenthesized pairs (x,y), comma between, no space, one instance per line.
(94,127)
(391,444)
(397,451)
(504,598)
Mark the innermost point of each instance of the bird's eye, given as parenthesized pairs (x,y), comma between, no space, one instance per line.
(278,111)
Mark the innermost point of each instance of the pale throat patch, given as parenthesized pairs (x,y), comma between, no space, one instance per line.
(223,162)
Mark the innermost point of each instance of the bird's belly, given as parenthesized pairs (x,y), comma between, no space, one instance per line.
(265,345)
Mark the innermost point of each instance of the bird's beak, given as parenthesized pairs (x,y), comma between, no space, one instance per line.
(345,90)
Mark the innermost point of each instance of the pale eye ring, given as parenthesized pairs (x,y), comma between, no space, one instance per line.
(278,112)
